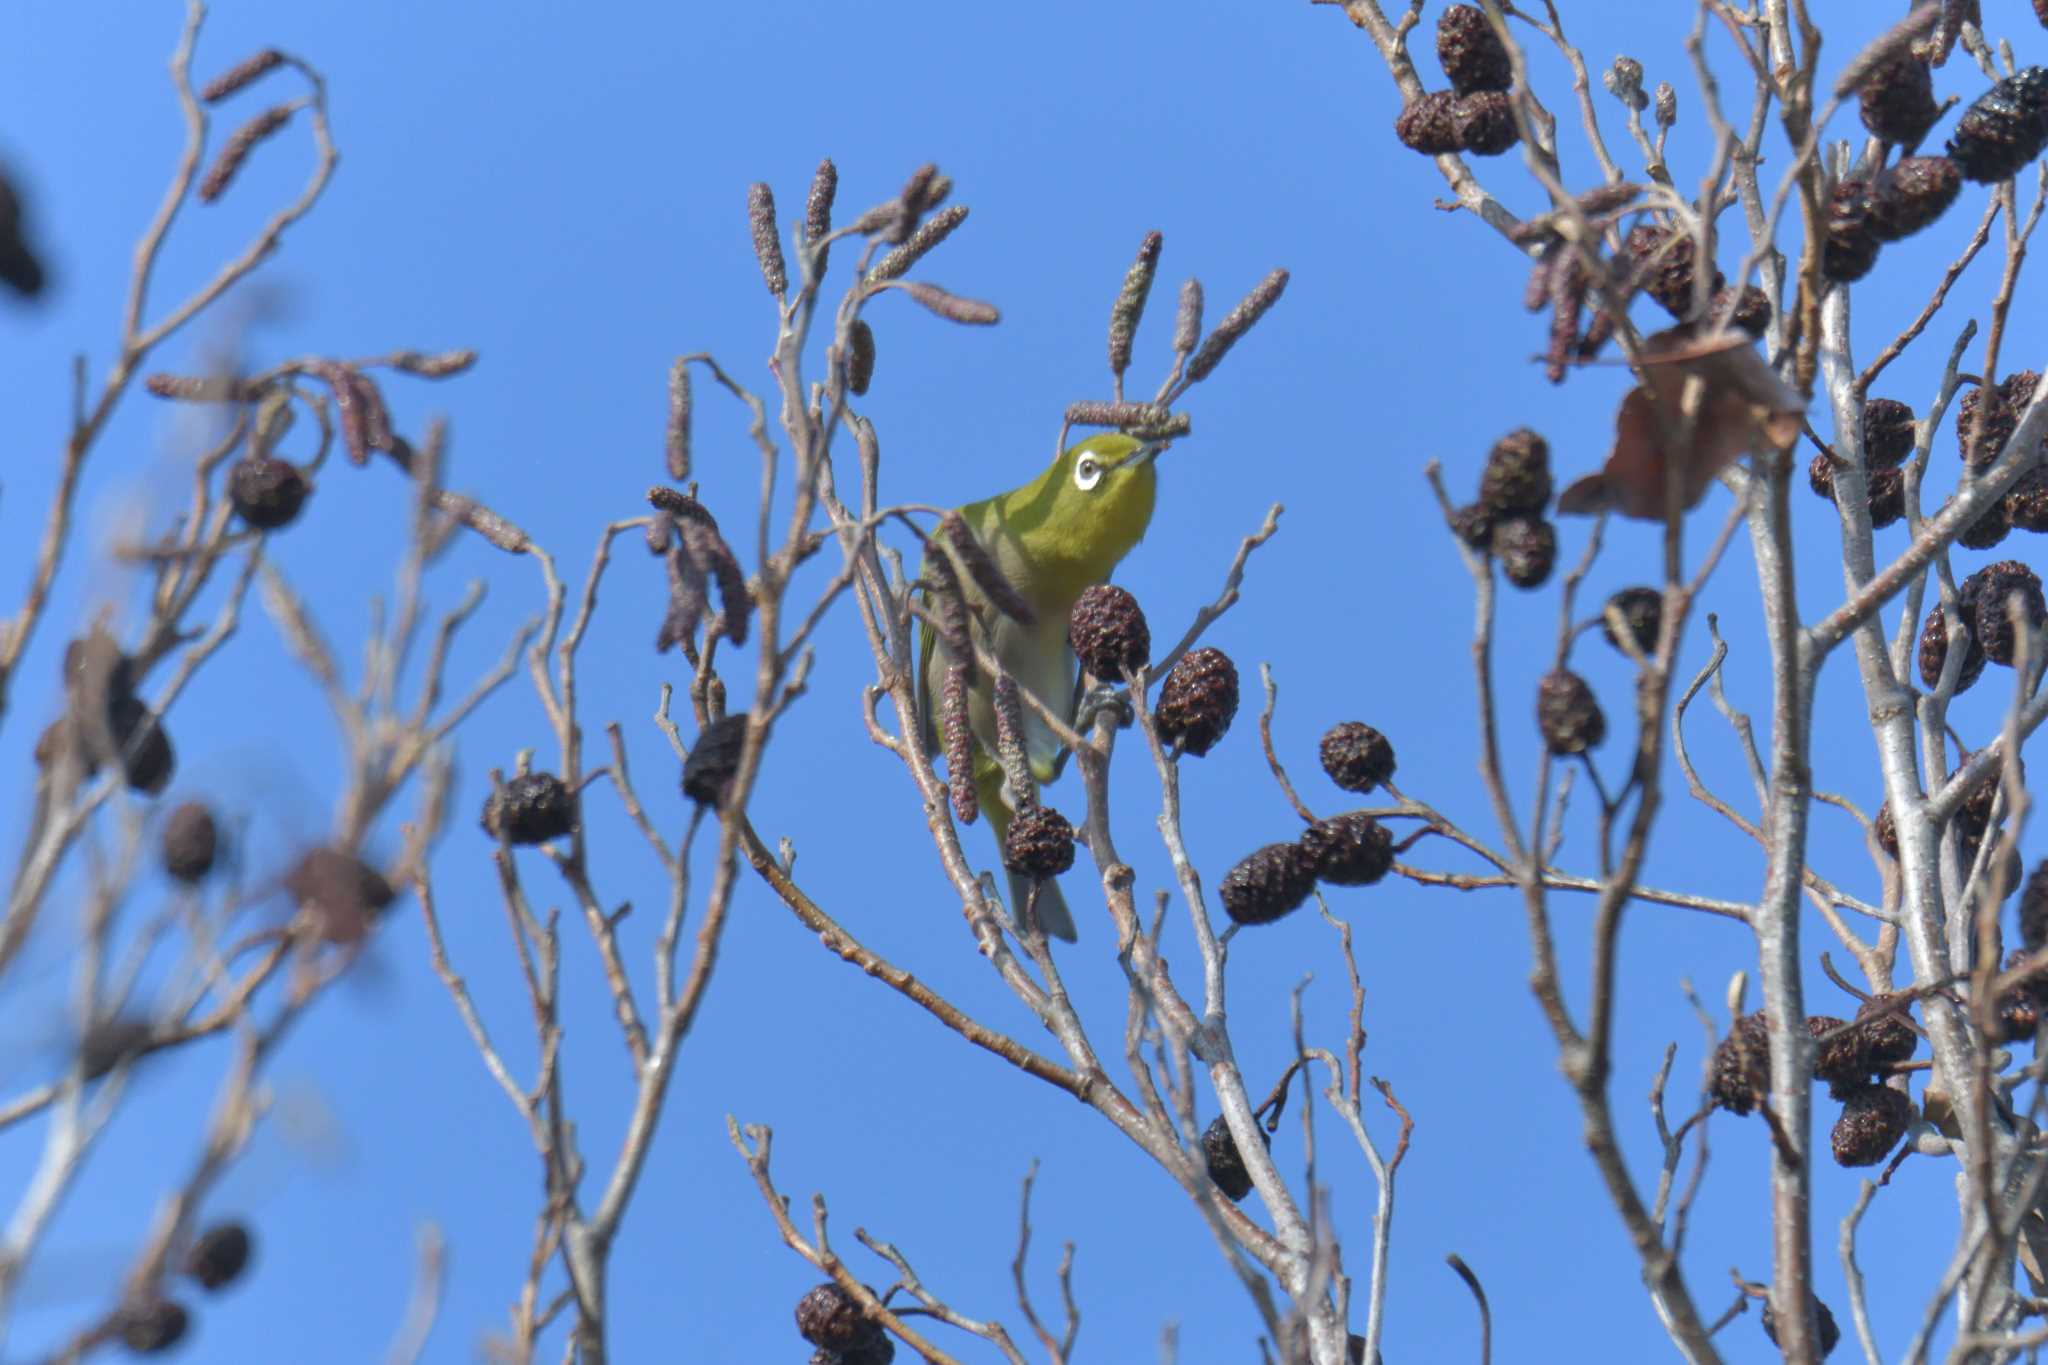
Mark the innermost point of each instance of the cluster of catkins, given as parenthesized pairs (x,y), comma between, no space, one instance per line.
(1352,849)
(152,1323)
(1507,521)
(1476,114)
(1853,1057)
(1996,137)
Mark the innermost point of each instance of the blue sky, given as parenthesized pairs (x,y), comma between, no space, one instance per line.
(565,193)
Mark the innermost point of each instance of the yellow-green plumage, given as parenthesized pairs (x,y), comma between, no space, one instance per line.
(1058,535)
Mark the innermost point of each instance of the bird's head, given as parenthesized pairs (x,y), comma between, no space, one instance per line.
(1096,500)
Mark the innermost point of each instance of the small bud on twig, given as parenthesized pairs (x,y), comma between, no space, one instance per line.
(982,569)
(222,173)
(860,356)
(242,75)
(1236,323)
(767,238)
(898,262)
(959,744)
(1187,322)
(679,420)
(1667,105)
(1130,303)
(952,307)
(1624,81)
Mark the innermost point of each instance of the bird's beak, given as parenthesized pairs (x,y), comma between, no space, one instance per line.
(1149,452)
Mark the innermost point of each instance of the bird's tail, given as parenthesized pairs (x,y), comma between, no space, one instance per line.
(1050,906)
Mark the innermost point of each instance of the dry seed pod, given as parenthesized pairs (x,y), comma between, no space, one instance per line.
(1934,653)
(1484,123)
(1664,261)
(1887,433)
(767,238)
(1039,844)
(1874,1118)
(190,842)
(339,893)
(1896,100)
(149,1326)
(2026,502)
(1352,849)
(2000,409)
(1198,701)
(1267,884)
(1472,54)
(1887,497)
(1747,309)
(147,760)
(1886,1030)
(1850,250)
(1130,302)
(267,493)
(1516,478)
(1473,524)
(1829,1333)
(1741,1073)
(1987,530)
(1911,194)
(1640,611)
(219,1255)
(1567,713)
(829,1316)
(1236,323)
(1429,123)
(1225,1162)
(531,809)
(709,770)
(2004,130)
(1842,1061)
(241,75)
(860,356)
(237,148)
(1357,757)
(1984,595)
(1526,548)
(1108,632)
(1820,476)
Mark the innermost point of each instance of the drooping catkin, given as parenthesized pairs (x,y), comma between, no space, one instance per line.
(679,420)
(1236,323)
(959,744)
(860,356)
(237,148)
(708,548)
(241,75)
(1009,717)
(767,237)
(952,307)
(983,570)
(1187,320)
(1130,302)
(935,230)
(947,607)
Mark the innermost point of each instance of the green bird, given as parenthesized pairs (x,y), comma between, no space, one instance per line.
(1058,535)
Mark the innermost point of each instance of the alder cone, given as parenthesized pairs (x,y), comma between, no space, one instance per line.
(1220,1153)
(1984,597)
(1896,100)
(1357,757)
(1429,125)
(1887,433)
(1934,653)
(1527,550)
(1741,1072)
(2026,502)
(1352,849)
(1874,1118)
(1267,884)
(1641,610)
(1850,248)
(535,807)
(1484,123)
(1830,1334)
(1471,53)
(2004,129)
(1108,632)
(1039,843)
(1198,700)
(1516,478)
(1568,714)
(1912,194)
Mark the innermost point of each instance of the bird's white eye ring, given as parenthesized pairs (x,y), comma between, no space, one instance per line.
(1087,473)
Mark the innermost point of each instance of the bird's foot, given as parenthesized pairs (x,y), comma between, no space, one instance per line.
(1104,698)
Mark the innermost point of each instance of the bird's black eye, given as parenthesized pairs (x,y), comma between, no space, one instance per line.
(1087,473)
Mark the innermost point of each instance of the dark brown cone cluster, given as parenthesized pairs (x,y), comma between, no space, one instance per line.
(1444,121)
(1830,1334)
(1225,1162)
(1640,612)
(1985,596)
(1516,479)
(2004,130)
(1568,714)
(1987,530)
(1740,1077)
(1039,843)
(1747,309)
(2034,909)
(1934,654)
(1473,524)
(1526,548)
(531,809)
(266,492)
(1880,1038)
(1663,261)
(1874,1118)
(1999,411)
(190,843)
(1887,1031)
(2021,1008)
(1911,194)
(1507,521)
(1472,54)
(1849,249)
(2026,502)
(1357,757)
(218,1255)
(150,1326)
(340,893)
(1352,849)
(1198,701)
(709,770)
(1108,632)
(1266,884)
(104,721)
(831,1319)
(1896,100)
(1886,489)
